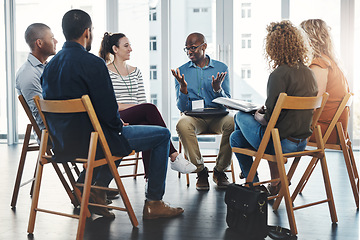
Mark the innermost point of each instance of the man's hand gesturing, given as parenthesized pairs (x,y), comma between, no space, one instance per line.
(181,79)
(216,82)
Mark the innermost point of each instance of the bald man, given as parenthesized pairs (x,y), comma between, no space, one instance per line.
(42,45)
(197,83)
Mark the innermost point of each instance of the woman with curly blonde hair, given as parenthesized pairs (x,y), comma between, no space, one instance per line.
(287,54)
(327,73)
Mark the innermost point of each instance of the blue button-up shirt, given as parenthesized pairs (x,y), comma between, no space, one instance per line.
(199,84)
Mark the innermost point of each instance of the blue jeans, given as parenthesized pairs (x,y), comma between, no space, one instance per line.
(249,133)
(143,138)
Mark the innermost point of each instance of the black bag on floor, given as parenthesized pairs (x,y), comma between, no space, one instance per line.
(247,211)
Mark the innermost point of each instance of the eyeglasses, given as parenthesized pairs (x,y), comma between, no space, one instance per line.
(193,48)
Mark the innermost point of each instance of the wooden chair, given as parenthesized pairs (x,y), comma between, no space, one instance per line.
(291,103)
(344,145)
(212,160)
(132,161)
(29,147)
(81,105)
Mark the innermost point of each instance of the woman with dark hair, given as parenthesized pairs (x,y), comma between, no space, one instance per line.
(130,94)
(286,52)
(328,75)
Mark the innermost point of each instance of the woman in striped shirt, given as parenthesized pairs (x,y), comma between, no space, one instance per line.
(130,94)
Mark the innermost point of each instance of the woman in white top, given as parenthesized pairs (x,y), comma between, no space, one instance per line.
(130,94)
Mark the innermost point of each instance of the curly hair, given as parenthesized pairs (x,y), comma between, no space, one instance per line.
(319,38)
(284,44)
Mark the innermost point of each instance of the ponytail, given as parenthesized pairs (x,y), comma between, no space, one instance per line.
(109,40)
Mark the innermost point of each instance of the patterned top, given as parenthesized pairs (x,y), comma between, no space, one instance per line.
(130,88)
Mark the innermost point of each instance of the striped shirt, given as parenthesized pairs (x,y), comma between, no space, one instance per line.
(130,88)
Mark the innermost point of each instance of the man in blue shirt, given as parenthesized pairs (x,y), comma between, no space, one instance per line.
(74,72)
(42,45)
(198,82)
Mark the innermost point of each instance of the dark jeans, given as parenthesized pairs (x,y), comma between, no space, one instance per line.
(143,138)
(145,114)
(249,133)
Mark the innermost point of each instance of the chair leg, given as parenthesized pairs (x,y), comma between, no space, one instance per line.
(305,178)
(35,197)
(76,194)
(123,195)
(284,191)
(77,171)
(87,186)
(21,166)
(37,182)
(232,171)
(308,172)
(290,174)
(187,180)
(65,184)
(122,191)
(350,164)
(32,184)
(136,164)
(329,194)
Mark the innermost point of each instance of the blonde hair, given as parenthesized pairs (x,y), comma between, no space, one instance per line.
(284,44)
(319,38)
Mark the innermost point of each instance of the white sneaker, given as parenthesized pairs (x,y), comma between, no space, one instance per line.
(182,165)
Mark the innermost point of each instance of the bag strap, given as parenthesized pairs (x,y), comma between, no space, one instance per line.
(251,185)
(277,232)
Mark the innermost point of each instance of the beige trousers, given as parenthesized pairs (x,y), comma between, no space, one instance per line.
(188,127)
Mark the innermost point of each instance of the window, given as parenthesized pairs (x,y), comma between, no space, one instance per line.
(153,72)
(198,10)
(152,43)
(51,15)
(245,72)
(152,14)
(153,99)
(3,114)
(245,40)
(245,10)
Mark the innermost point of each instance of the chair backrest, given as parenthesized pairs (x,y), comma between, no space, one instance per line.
(345,102)
(294,103)
(77,105)
(30,116)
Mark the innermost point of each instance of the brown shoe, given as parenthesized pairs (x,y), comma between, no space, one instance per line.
(273,189)
(98,196)
(220,179)
(111,195)
(159,209)
(202,183)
